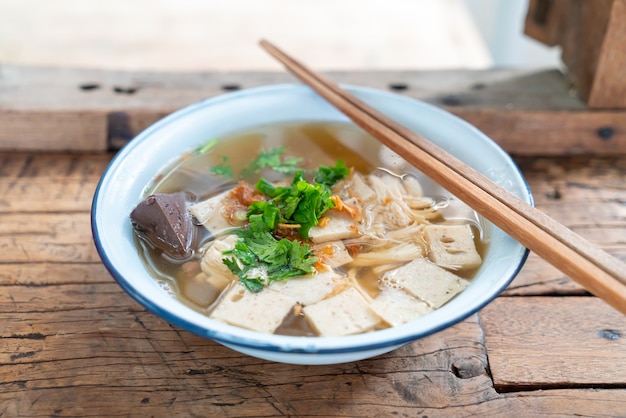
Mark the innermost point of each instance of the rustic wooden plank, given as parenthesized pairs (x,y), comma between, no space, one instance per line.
(540,132)
(525,112)
(73,343)
(609,89)
(120,360)
(538,342)
(544,20)
(41,274)
(37,238)
(29,183)
(45,130)
(130,356)
(585,194)
(591,35)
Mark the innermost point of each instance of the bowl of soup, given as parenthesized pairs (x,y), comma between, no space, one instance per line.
(266,221)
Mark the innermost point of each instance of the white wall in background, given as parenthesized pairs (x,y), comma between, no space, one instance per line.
(501,23)
(222,35)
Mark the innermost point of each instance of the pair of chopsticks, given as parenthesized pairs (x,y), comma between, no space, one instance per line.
(594,269)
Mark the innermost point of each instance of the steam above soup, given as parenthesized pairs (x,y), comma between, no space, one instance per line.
(308,229)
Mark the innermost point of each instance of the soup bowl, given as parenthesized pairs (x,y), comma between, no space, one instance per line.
(124,183)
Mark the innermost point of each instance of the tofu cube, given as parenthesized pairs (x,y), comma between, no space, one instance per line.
(263,311)
(452,246)
(340,226)
(307,290)
(346,313)
(212,264)
(426,281)
(397,307)
(208,214)
(333,254)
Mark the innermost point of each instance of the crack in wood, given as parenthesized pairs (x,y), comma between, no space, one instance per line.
(30,336)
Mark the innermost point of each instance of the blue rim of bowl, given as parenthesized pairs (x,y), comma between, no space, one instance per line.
(289,346)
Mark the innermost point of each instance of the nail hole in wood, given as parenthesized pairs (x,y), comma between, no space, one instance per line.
(125,89)
(610,334)
(555,194)
(451,100)
(398,86)
(231,87)
(605,132)
(89,86)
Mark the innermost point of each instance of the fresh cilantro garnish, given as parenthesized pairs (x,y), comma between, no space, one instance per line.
(223,169)
(258,257)
(331,175)
(261,258)
(302,203)
(203,149)
(272,159)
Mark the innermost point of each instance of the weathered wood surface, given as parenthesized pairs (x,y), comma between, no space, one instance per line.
(591,35)
(74,344)
(526,112)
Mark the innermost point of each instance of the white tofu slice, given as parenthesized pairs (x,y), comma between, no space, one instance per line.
(360,189)
(452,246)
(263,311)
(426,281)
(308,289)
(397,307)
(346,313)
(212,264)
(340,226)
(209,215)
(203,290)
(333,254)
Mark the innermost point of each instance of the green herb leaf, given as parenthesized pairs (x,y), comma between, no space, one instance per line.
(331,175)
(301,203)
(223,169)
(254,284)
(203,149)
(257,250)
(272,159)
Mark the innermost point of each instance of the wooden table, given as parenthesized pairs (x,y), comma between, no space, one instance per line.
(74,344)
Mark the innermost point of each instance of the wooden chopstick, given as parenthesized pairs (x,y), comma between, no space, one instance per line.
(593,268)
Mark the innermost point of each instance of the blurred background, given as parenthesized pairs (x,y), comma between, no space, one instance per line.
(199,35)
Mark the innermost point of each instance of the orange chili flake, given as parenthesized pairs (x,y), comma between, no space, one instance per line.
(352,211)
(246,194)
(353,250)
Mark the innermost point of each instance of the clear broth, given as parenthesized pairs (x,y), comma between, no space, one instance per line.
(317,143)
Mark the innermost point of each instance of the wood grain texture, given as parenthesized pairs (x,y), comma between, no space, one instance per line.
(591,35)
(529,341)
(74,344)
(526,112)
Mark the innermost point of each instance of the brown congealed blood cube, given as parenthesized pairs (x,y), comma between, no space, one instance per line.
(163,220)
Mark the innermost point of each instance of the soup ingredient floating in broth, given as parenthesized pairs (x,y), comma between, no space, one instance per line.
(332,250)
(263,253)
(164,221)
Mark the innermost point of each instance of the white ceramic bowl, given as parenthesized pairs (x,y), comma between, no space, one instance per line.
(133,168)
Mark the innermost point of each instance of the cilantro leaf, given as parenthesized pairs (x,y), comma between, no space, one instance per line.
(331,175)
(256,251)
(223,169)
(254,284)
(258,257)
(203,149)
(272,159)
